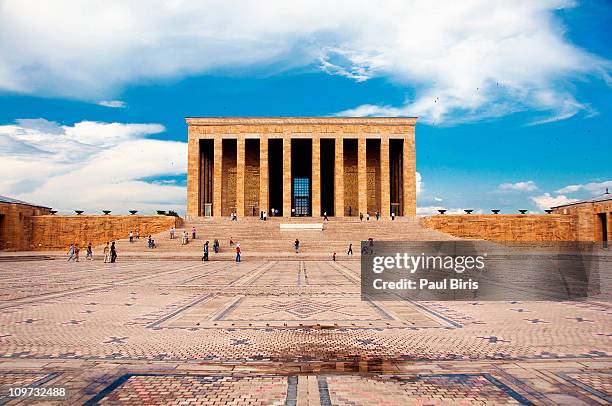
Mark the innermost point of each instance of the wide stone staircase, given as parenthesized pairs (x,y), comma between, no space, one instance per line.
(266,241)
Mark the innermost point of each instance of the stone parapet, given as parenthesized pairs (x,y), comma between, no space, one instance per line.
(54,232)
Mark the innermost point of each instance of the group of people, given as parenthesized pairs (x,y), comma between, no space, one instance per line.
(110,253)
(217,247)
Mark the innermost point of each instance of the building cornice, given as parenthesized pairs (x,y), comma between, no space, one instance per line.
(301,120)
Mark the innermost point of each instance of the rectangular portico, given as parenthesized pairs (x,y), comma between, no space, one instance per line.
(301,166)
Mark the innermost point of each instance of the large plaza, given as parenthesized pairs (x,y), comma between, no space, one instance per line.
(285,332)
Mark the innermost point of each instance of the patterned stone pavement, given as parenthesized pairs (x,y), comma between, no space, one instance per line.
(284,332)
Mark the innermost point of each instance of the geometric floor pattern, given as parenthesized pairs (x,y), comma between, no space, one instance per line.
(164,331)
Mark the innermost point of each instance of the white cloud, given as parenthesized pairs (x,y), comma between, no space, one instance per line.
(464,60)
(546,201)
(115,104)
(595,188)
(528,186)
(90,165)
(419,183)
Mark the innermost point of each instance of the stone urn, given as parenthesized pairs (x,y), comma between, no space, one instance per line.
(523,211)
(468,211)
(161,212)
(495,211)
(106,212)
(79,212)
(52,212)
(442,211)
(132,212)
(549,211)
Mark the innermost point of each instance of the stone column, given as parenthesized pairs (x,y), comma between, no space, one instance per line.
(409,176)
(240,176)
(193,176)
(287,175)
(362,175)
(339,177)
(316,176)
(385,189)
(217,173)
(263,173)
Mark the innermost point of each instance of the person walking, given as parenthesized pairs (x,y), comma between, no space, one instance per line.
(113,253)
(360,216)
(193,233)
(106,253)
(377,215)
(334,256)
(231,241)
(265,216)
(172,231)
(350,250)
(89,253)
(71,252)
(77,251)
(131,237)
(216,246)
(392,216)
(296,245)
(238,252)
(205,256)
(325,216)
(368,216)
(137,235)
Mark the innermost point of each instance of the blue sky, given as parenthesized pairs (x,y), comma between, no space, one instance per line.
(515,109)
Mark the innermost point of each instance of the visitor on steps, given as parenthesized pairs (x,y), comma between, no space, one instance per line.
(113,253)
(205,257)
(70,252)
(361,216)
(350,250)
(325,216)
(238,251)
(231,241)
(131,236)
(261,215)
(265,216)
(106,253)
(334,256)
(172,231)
(89,253)
(296,245)
(216,246)
(193,233)
(77,251)
(368,216)
(350,211)
(392,216)
(377,216)
(137,235)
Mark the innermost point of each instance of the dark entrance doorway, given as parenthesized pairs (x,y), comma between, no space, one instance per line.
(2,236)
(327,177)
(603,226)
(301,177)
(275,175)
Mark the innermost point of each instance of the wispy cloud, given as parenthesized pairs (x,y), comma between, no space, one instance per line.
(115,104)
(546,201)
(592,187)
(528,186)
(461,61)
(90,165)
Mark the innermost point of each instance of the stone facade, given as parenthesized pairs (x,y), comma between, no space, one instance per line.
(53,232)
(505,227)
(361,164)
(16,225)
(589,219)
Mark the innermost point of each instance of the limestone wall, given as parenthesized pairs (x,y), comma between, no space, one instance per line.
(506,227)
(16,225)
(57,232)
(588,225)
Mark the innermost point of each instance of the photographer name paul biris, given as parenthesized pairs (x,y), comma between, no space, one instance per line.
(425,284)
